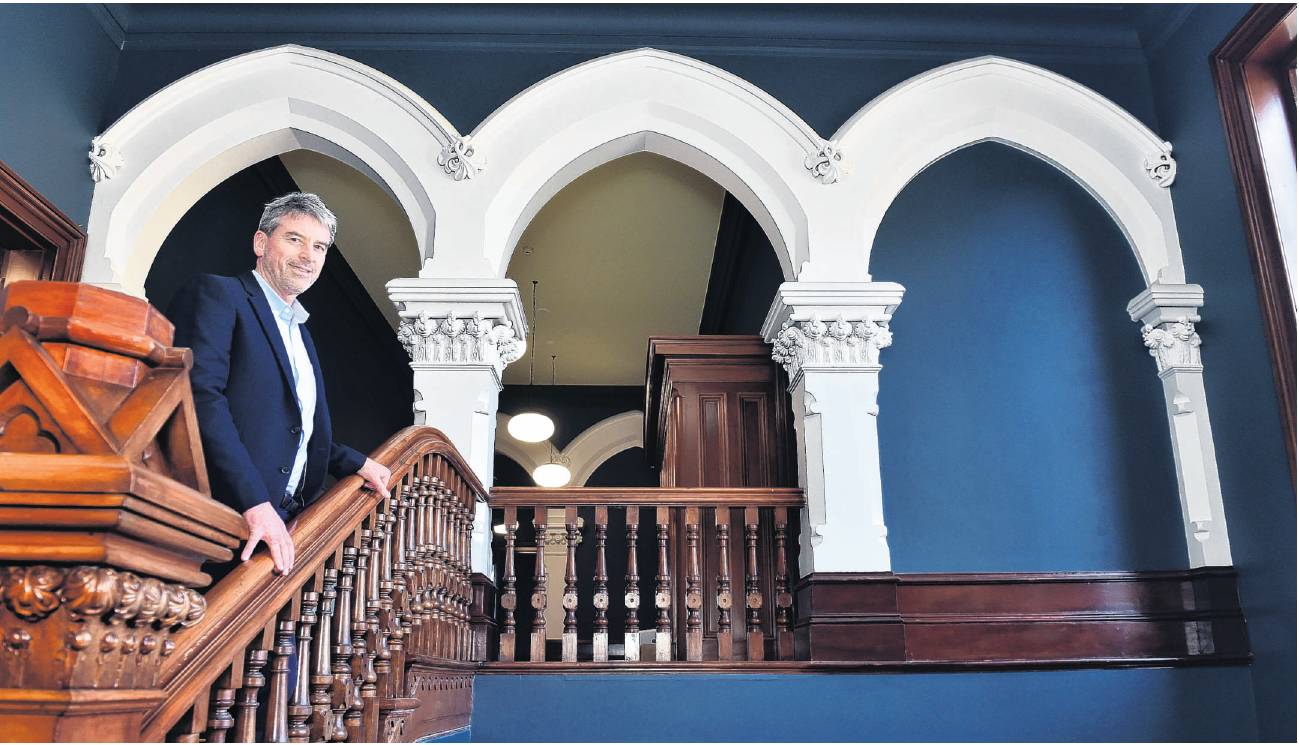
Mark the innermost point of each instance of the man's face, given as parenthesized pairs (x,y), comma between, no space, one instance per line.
(291,258)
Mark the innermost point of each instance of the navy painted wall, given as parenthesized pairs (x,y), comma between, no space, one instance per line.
(1256,484)
(1165,705)
(1021,425)
(57,67)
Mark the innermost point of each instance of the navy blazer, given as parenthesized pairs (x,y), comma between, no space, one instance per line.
(248,414)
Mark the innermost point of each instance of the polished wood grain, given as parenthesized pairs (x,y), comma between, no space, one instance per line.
(42,227)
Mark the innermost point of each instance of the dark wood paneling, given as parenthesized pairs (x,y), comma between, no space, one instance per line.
(40,226)
(1250,68)
(1058,617)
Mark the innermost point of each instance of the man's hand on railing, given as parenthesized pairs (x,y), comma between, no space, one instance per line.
(376,476)
(265,525)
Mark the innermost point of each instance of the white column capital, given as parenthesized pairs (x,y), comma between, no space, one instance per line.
(460,323)
(1160,303)
(830,325)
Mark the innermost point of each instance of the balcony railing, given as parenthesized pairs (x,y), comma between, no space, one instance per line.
(714,564)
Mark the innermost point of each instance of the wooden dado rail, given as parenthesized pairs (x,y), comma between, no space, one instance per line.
(107,520)
(674,519)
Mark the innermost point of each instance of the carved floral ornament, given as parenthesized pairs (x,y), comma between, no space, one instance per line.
(823,164)
(1173,344)
(105,160)
(86,592)
(1161,167)
(839,343)
(460,159)
(459,340)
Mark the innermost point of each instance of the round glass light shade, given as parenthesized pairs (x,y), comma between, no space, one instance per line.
(530,427)
(551,475)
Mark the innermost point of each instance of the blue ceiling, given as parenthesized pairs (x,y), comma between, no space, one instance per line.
(1124,29)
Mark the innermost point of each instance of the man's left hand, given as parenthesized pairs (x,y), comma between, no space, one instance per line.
(376,476)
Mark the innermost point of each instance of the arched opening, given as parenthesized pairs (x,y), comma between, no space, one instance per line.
(1021,421)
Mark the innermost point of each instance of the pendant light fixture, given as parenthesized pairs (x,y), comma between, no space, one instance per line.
(554,473)
(531,426)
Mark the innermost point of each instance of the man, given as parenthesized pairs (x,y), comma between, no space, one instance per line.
(257,382)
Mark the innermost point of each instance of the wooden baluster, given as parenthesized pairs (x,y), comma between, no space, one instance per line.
(725,600)
(381,603)
(570,586)
(663,591)
(246,706)
(694,590)
(395,595)
(223,698)
(453,576)
(509,588)
(631,630)
(467,585)
(465,527)
(362,660)
(600,638)
(344,688)
(300,701)
(277,700)
(438,569)
(421,603)
(784,600)
(322,717)
(538,651)
(377,654)
(753,590)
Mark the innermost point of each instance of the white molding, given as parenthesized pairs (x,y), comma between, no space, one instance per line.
(1087,136)
(178,143)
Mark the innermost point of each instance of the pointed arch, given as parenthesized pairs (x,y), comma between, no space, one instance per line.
(155,161)
(642,100)
(1116,158)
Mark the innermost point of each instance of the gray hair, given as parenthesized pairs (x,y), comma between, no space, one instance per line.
(297,203)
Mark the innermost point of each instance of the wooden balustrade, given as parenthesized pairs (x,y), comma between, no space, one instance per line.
(691,613)
(109,518)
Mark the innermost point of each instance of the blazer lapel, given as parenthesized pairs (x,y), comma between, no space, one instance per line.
(262,310)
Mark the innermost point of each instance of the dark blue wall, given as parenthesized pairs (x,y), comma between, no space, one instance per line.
(1021,425)
(1256,484)
(1182,704)
(57,67)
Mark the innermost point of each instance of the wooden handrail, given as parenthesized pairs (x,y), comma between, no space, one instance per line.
(527,496)
(249,599)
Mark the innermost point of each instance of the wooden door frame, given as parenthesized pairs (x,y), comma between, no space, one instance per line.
(1251,39)
(43,225)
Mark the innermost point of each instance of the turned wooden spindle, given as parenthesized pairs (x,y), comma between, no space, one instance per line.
(466,582)
(509,588)
(277,699)
(631,601)
(694,589)
(569,653)
(537,653)
(663,590)
(784,600)
(753,590)
(439,594)
(320,724)
(725,600)
(300,700)
(246,704)
(220,720)
(362,656)
(343,690)
(600,637)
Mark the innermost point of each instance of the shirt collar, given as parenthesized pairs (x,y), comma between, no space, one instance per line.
(294,313)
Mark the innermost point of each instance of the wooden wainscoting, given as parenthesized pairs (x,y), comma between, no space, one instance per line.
(1035,619)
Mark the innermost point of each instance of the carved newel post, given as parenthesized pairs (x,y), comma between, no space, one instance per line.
(106,510)
(1168,314)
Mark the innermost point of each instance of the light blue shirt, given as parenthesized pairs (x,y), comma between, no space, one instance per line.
(289,318)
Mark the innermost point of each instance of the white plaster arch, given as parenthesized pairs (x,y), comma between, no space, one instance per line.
(586,452)
(641,100)
(1124,165)
(155,161)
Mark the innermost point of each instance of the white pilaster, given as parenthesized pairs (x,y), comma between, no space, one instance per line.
(460,334)
(828,336)
(1169,314)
